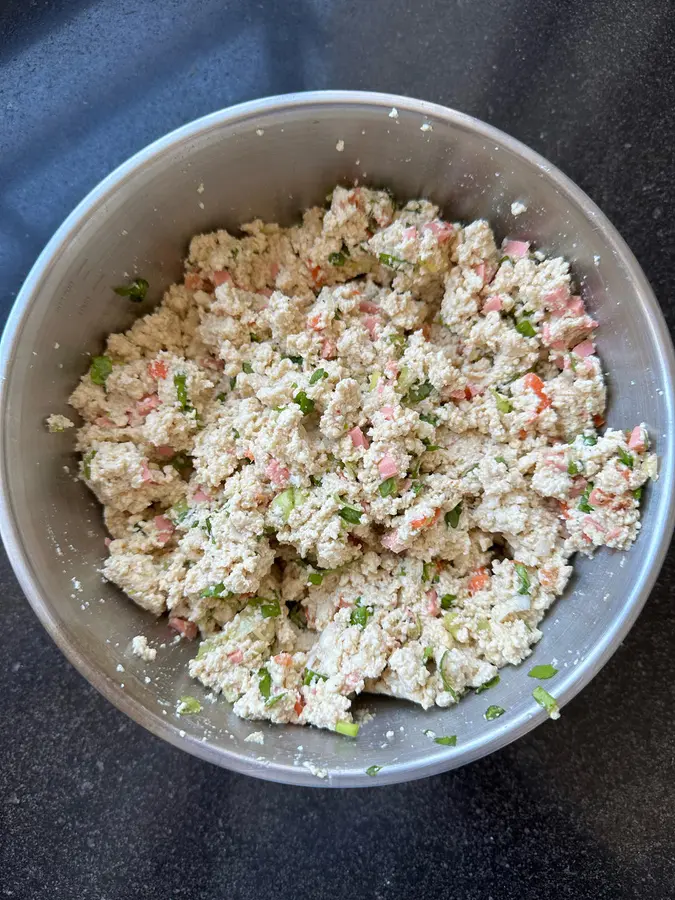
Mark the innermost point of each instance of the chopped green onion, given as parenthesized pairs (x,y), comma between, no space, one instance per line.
(583,504)
(523,578)
(372,381)
(350,514)
(503,259)
(573,468)
(626,458)
(255,339)
(351,729)
(297,615)
(86,463)
(404,379)
(179,510)
(373,770)
(309,676)
(304,402)
(525,328)
(500,459)
(542,672)
(274,700)
(447,684)
(247,368)
(419,392)
(233,382)
(449,741)
(637,493)
(487,685)
(360,614)
(221,397)
(135,291)
(337,259)
(428,654)
(392,261)
(388,487)
(188,706)
(264,683)
(494,712)
(204,648)
(398,343)
(298,360)
(284,503)
(430,447)
(180,462)
(318,375)
(207,527)
(270,609)
(101,367)
(453,516)
(417,487)
(448,601)
(548,702)
(503,405)
(218,590)
(180,383)
(427,571)
(315,578)
(590,440)
(427,417)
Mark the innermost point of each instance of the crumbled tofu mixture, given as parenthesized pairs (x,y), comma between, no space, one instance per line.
(57,423)
(357,454)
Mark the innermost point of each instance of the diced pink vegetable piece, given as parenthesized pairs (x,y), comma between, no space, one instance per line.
(410,233)
(556,345)
(458,395)
(274,270)
(221,278)
(442,230)
(585,348)
(371,323)
(201,496)
(328,349)
(515,249)
(391,369)
(637,440)
(277,473)
(392,542)
(576,306)
(146,404)
(104,422)
(557,299)
(210,362)
(184,627)
(146,473)
(560,362)
(432,606)
(474,390)
(480,270)
(578,487)
(387,466)
(165,528)
(492,304)
(613,534)
(236,656)
(266,292)
(387,412)
(164,450)
(597,497)
(358,438)
(368,306)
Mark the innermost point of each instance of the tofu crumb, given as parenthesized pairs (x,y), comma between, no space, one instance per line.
(255,737)
(57,423)
(518,208)
(394,113)
(140,648)
(200,189)
(260,131)
(426,126)
(340,146)
(317,771)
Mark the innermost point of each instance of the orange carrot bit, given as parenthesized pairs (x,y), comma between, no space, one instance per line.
(478,581)
(534,383)
(299,706)
(427,520)
(157,369)
(598,420)
(522,434)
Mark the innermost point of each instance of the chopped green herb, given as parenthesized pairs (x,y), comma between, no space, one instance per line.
(188,706)
(304,402)
(337,259)
(221,397)
(494,712)
(548,702)
(398,343)
(350,514)
(428,654)
(247,368)
(264,683)
(573,468)
(309,675)
(315,578)
(453,516)
(233,382)
(523,578)
(583,504)
(180,383)
(388,487)
(448,601)
(360,614)
(417,487)
(487,685)
(135,290)
(274,700)
(526,328)
(637,493)
(284,503)
(447,684)
(626,458)
(503,405)
(373,770)
(590,440)
(482,625)
(351,729)
(427,571)
(427,417)
(218,590)
(179,510)
(449,741)
(392,261)
(430,447)
(101,367)
(298,360)
(270,609)
(419,392)
(503,259)
(318,375)
(542,672)
(500,459)
(86,463)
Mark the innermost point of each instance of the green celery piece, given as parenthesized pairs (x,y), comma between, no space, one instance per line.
(542,672)
(264,683)
(351,515)
(545,700)
(449,741)
(284,503)
(135,290)
(315,578)
(388,487)
(453,516)
(309,676)
(494,712)
(373,770)
(188,706)
(317,375)
(447,684)
(487,685)
(101,367)
(525,328)
(523,578)
(626,458)
(305,403)
(351,729)
(503,404)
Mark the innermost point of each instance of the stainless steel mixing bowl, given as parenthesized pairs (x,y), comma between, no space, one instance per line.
(272,158)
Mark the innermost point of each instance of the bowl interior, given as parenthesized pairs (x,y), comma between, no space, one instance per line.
(272,160)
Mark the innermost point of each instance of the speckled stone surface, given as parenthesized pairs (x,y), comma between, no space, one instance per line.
(94,808)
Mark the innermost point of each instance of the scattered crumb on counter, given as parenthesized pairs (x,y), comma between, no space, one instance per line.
(139,647)
(315,770)
(255,737)
(518,208)
(340,146)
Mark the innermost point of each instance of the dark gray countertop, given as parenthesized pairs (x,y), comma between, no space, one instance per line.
(91,806)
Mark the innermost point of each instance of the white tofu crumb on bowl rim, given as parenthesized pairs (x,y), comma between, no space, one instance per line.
(273,158)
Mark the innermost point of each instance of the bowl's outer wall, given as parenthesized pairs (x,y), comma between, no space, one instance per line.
(272,159)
